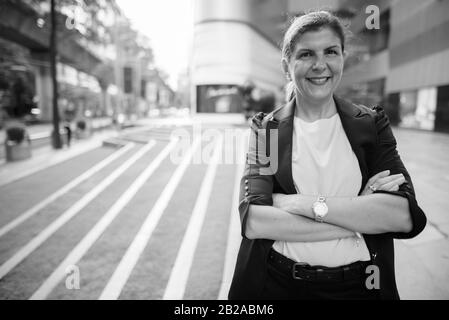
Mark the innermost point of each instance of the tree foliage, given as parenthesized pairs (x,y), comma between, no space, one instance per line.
(88,19)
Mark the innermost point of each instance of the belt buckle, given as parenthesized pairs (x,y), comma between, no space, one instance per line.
(298,264)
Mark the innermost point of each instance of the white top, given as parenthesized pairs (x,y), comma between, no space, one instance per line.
(323,163)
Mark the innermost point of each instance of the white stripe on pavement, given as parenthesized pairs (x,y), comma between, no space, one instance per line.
(26,250)
(83,246)
(32,211)
(39,135)
(234,237)
(46,157)
(179,275)
(123,271)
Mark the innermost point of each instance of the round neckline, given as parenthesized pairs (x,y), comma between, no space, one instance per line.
(312,122)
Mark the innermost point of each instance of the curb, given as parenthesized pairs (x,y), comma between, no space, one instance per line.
(46,157)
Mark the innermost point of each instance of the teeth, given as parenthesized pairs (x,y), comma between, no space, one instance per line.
(318,80)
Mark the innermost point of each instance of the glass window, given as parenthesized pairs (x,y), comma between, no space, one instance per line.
(407,101)
(442,112)
(425,108)
(219,99)
(417,108)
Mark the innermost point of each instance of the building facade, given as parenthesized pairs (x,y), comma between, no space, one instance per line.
(403,65)
(235,42)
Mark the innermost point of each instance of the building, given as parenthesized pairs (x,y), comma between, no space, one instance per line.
(157,93)
(235,42)
(95,78)
(25,31)
(403,65)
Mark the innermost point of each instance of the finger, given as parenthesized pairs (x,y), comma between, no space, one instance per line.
(370,188)
(377,176)
(384,180)
(374,180)
(380,183)
(394,188)
(389,185)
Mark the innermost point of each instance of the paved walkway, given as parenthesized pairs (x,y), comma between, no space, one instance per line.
(44,129)
(422,263)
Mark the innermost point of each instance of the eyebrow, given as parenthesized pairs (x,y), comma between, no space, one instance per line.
(307,49)
(332,47)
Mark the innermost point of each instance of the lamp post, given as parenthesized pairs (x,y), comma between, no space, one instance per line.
(55,137)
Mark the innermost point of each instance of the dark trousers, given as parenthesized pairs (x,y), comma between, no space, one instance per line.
(281,285)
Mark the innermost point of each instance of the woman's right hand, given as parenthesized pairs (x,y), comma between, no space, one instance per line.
(383,181)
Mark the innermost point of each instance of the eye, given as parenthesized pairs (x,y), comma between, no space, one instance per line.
(332,52)
(304,54)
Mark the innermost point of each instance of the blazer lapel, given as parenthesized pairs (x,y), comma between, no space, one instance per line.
(284,122)
(356,125)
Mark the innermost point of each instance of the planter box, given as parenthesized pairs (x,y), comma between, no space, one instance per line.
(17,151)
(82,134)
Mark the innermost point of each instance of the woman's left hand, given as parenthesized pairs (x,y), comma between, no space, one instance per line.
(383,181)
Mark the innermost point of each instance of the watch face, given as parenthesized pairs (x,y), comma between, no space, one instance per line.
(320,209)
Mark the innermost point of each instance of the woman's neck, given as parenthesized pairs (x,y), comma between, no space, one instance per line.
(316,110)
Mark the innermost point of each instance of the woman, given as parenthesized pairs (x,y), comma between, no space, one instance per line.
(324,191)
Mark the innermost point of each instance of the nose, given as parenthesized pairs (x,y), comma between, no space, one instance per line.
(319,64)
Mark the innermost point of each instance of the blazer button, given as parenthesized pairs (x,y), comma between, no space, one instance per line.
(246,188)
(246,181)
(246,193)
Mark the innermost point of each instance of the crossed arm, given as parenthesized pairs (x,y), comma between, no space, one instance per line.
(293,220)
(268,222)
(290,217)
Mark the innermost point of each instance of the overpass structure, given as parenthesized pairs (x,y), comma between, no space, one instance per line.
(19,24)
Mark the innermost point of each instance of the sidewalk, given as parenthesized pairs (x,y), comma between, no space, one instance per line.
(45,156)
(44,130)
(422,263)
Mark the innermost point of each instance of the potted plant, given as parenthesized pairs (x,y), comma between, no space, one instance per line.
(82,129)
(17,143)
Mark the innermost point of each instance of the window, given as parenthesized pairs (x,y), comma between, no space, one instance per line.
(417,108)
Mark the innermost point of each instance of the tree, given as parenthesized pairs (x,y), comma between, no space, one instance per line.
(71,19)
(90,24)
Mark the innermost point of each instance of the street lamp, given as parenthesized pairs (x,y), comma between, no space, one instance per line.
(55,137)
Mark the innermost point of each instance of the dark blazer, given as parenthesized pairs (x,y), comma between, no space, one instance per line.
(371,139)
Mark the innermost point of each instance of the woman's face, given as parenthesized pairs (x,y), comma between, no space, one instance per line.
(316,64)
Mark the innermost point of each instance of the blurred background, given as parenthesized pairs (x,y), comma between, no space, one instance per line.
(212,57)
(88,87)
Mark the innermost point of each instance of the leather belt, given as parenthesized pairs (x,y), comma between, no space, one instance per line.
(302,271)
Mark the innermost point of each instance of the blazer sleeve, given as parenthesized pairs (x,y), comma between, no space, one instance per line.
(386,157)
(256,184)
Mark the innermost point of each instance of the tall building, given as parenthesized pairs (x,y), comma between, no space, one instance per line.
(236,42)
(403,64)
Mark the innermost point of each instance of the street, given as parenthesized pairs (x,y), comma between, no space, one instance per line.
(129,222)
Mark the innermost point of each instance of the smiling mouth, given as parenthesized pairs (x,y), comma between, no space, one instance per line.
(318,80)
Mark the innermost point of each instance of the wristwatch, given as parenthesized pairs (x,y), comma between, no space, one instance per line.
(320,209)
